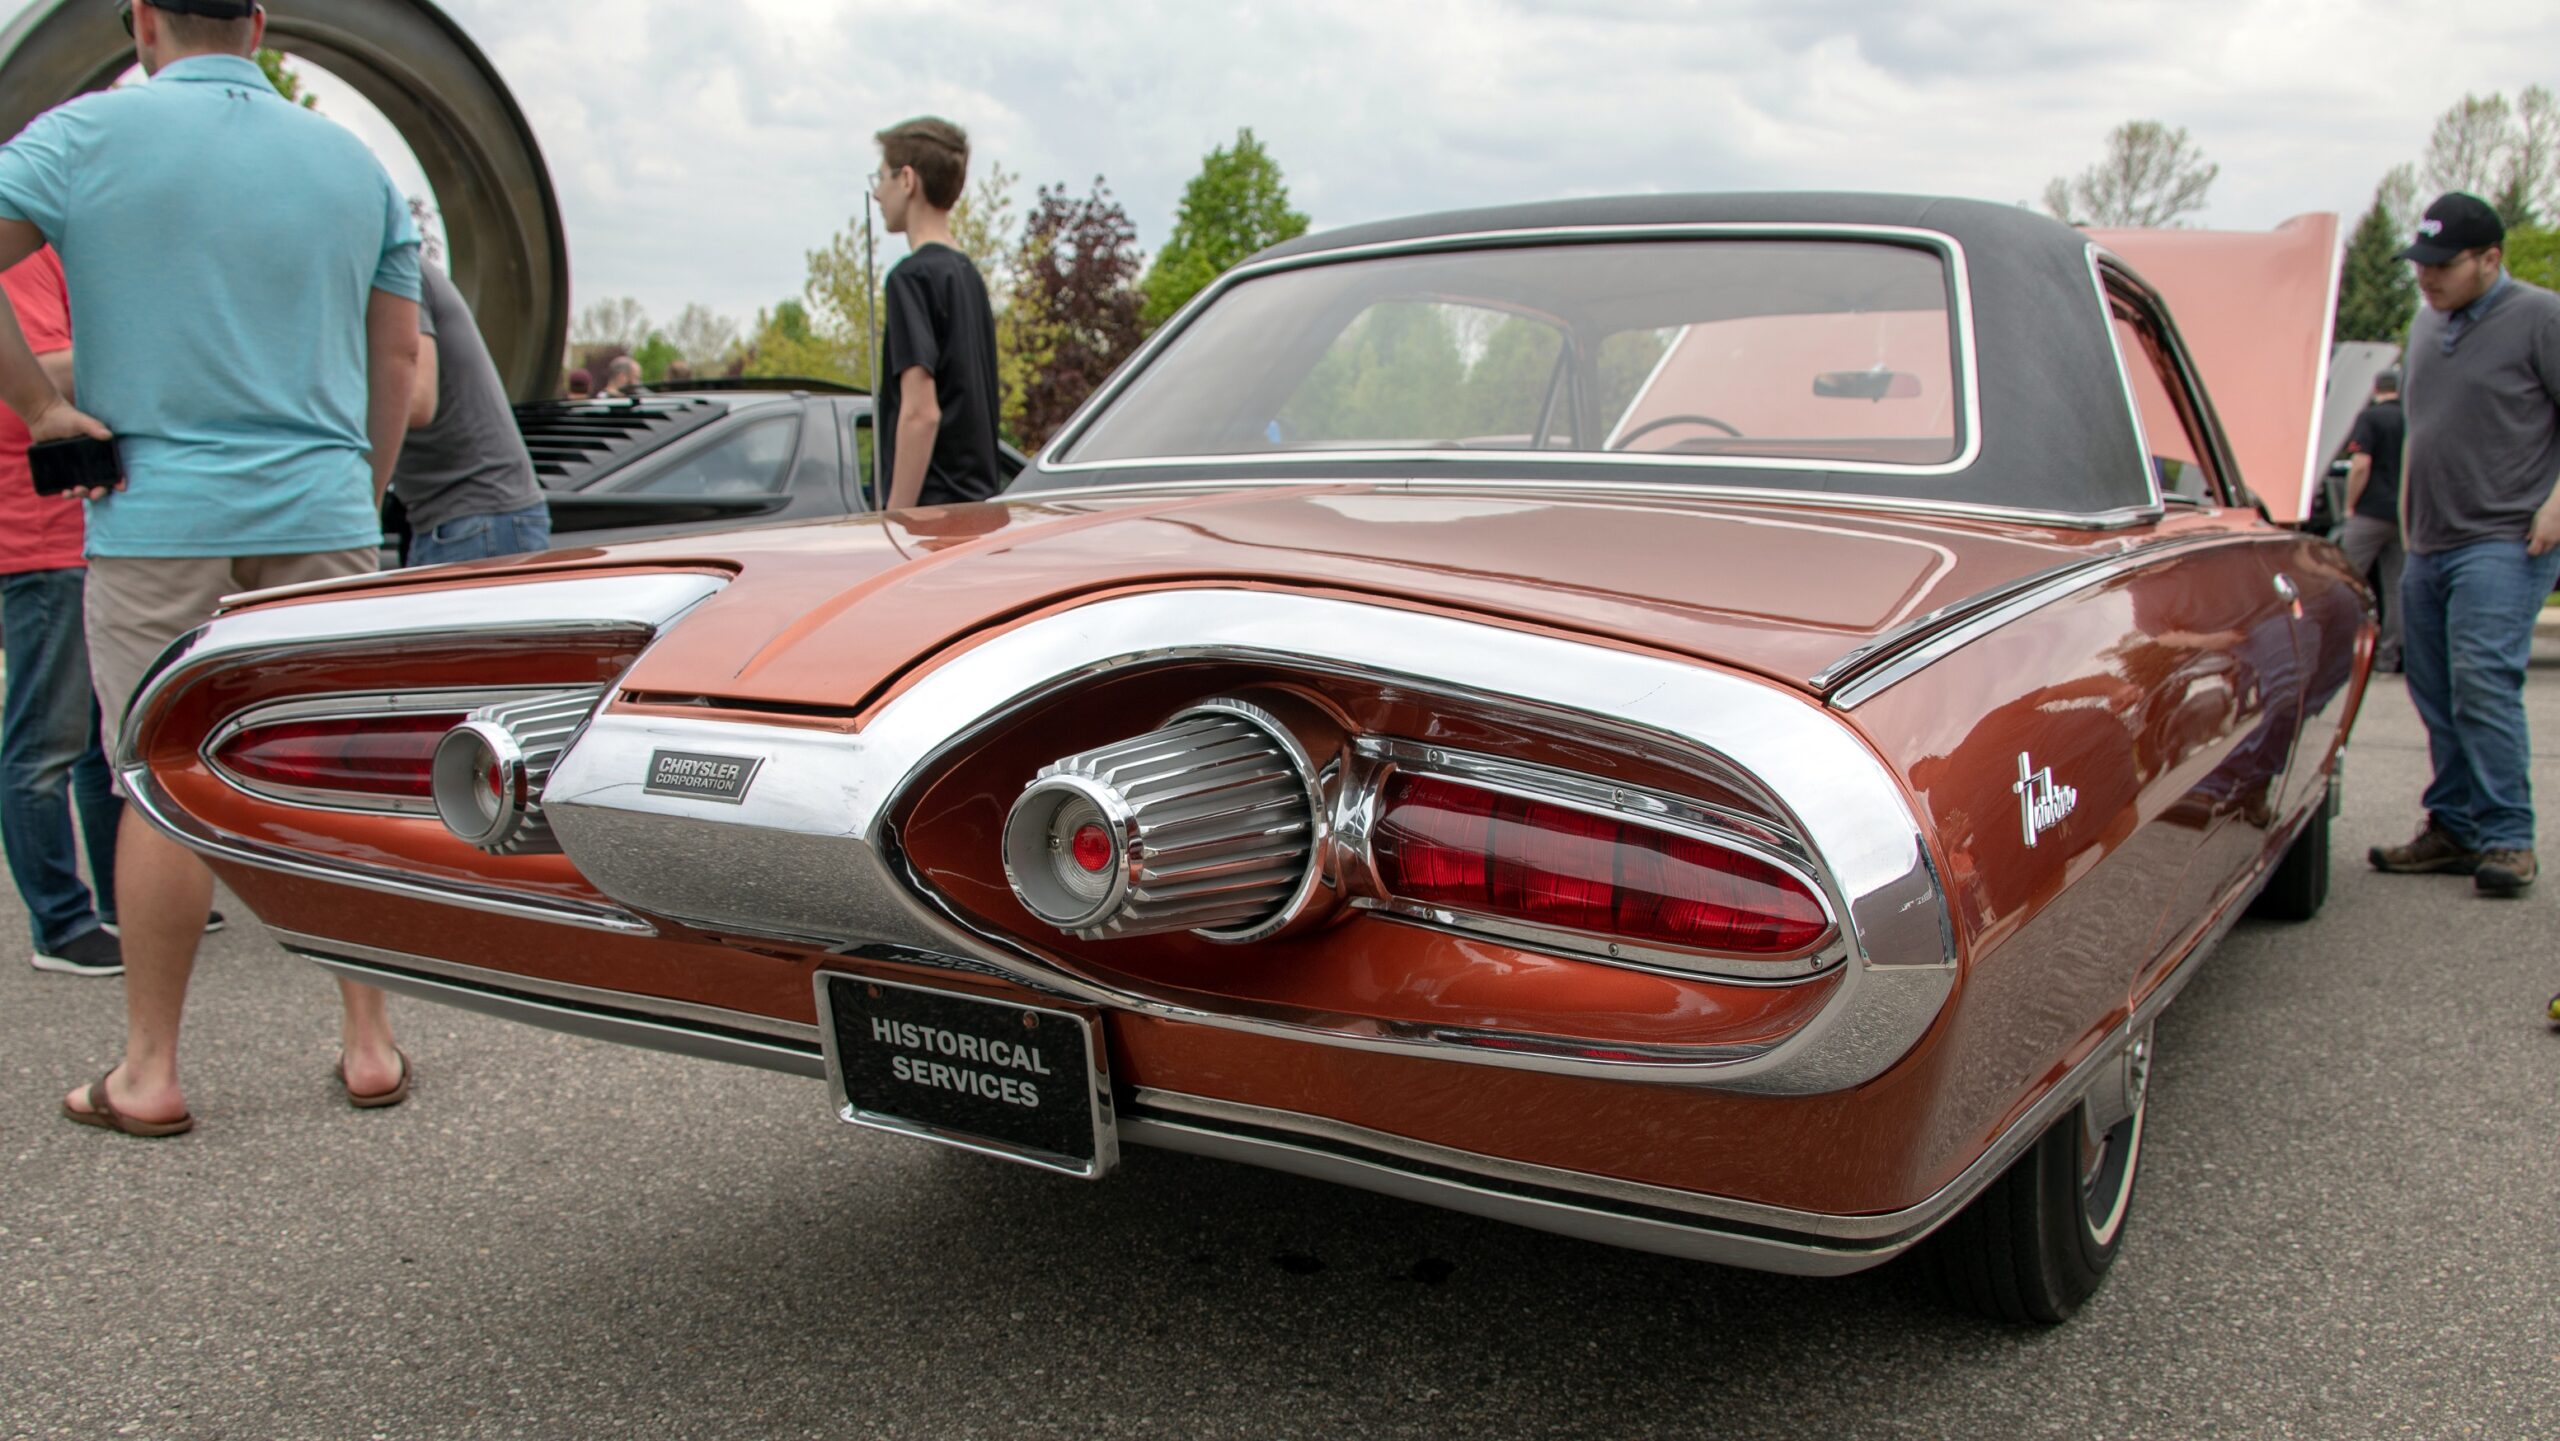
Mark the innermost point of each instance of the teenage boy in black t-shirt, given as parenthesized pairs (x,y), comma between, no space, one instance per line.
(937,401)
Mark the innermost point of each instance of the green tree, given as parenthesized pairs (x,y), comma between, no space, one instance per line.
(786,343)
(2534,255)
(1235,206)
(655,354)
(2376,294)
(288,82)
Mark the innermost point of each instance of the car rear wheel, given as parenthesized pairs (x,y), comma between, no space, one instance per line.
(2038,1241)
(2300,884)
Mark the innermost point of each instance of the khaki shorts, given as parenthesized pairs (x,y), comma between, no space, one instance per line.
(138,605)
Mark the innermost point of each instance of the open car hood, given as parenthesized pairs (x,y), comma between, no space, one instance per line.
(828,616)
(2256,309)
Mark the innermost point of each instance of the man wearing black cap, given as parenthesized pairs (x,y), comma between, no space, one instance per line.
(2480,517)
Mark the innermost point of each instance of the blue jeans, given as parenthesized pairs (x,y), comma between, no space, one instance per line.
(483,537)
(2466,634)
(50,760)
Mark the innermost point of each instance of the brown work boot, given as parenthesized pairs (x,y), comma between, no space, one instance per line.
(2504,873)
(2434,851)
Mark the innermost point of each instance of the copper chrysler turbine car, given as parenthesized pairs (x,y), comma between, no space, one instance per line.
(1714,724)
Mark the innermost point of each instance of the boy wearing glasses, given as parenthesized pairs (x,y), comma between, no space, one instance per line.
(938,390)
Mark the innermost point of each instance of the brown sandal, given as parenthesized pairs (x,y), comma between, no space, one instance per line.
(102,1113)
(377,1100)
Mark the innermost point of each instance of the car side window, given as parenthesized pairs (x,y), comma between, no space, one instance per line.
(750,459)
(2181,458)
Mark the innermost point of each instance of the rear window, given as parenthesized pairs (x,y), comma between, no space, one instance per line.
(1722,351)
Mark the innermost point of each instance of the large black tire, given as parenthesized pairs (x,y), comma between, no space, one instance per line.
(2300,885)
(510,250)
(2037,1242)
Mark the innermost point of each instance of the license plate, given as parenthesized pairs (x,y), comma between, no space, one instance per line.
(1027,1083)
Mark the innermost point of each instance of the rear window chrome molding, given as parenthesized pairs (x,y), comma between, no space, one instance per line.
(566,607)
(821,810)
(1354,825)
(2121,518)
(1960,317)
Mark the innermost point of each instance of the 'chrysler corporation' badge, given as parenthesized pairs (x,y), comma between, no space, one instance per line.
(703,777)
(2041,803)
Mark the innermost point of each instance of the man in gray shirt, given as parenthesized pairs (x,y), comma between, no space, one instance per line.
(2480,515)
(464,475)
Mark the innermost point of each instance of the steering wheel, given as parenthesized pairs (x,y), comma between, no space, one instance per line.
(1657,423)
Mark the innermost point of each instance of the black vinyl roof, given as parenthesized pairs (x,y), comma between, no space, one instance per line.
(2056,434)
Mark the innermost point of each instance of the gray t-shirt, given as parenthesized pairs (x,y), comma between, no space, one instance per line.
(2484,422)
(469,460)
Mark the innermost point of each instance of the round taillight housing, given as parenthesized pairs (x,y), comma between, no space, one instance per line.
(1207,825)
(480,783)
(1445,844)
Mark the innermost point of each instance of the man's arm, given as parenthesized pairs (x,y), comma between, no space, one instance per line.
(2359,470)
(422,401)
(391,378)
(919,421)
(25,386)
(57,368)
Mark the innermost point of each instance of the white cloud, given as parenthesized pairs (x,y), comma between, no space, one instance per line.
(699,150)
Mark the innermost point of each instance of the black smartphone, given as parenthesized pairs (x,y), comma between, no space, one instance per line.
(80,463)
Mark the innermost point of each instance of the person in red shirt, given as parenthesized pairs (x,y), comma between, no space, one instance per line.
(49,753)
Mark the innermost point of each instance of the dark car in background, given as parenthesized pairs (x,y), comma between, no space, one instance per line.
(715,454)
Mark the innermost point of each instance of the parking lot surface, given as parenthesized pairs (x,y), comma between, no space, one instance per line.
(2347,1226)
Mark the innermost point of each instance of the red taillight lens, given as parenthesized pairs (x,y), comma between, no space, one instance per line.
(1447,843)
(390,756)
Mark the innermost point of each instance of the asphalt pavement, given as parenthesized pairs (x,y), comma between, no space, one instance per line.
(2345,1228)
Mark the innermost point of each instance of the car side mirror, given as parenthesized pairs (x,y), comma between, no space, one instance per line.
(1876,384)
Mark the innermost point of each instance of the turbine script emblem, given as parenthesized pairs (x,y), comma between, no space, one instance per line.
(2041,803)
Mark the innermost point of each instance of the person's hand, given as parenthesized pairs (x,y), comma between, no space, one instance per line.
(64,421)
(2546,531)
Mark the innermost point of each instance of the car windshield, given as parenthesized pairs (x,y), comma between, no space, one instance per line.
(1793,352)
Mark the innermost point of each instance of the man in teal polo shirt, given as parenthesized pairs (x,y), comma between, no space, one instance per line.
(244,282)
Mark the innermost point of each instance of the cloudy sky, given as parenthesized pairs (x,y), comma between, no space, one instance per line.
(701,149)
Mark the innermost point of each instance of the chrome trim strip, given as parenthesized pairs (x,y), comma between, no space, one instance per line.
(353,705)
(508,1002)
(1596,1207)
(1868,652)
(808,854)
(1960,308)
(657,1007)
(574,606)
(2099,258)
(148,800)
(1878,672)
(584,605)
